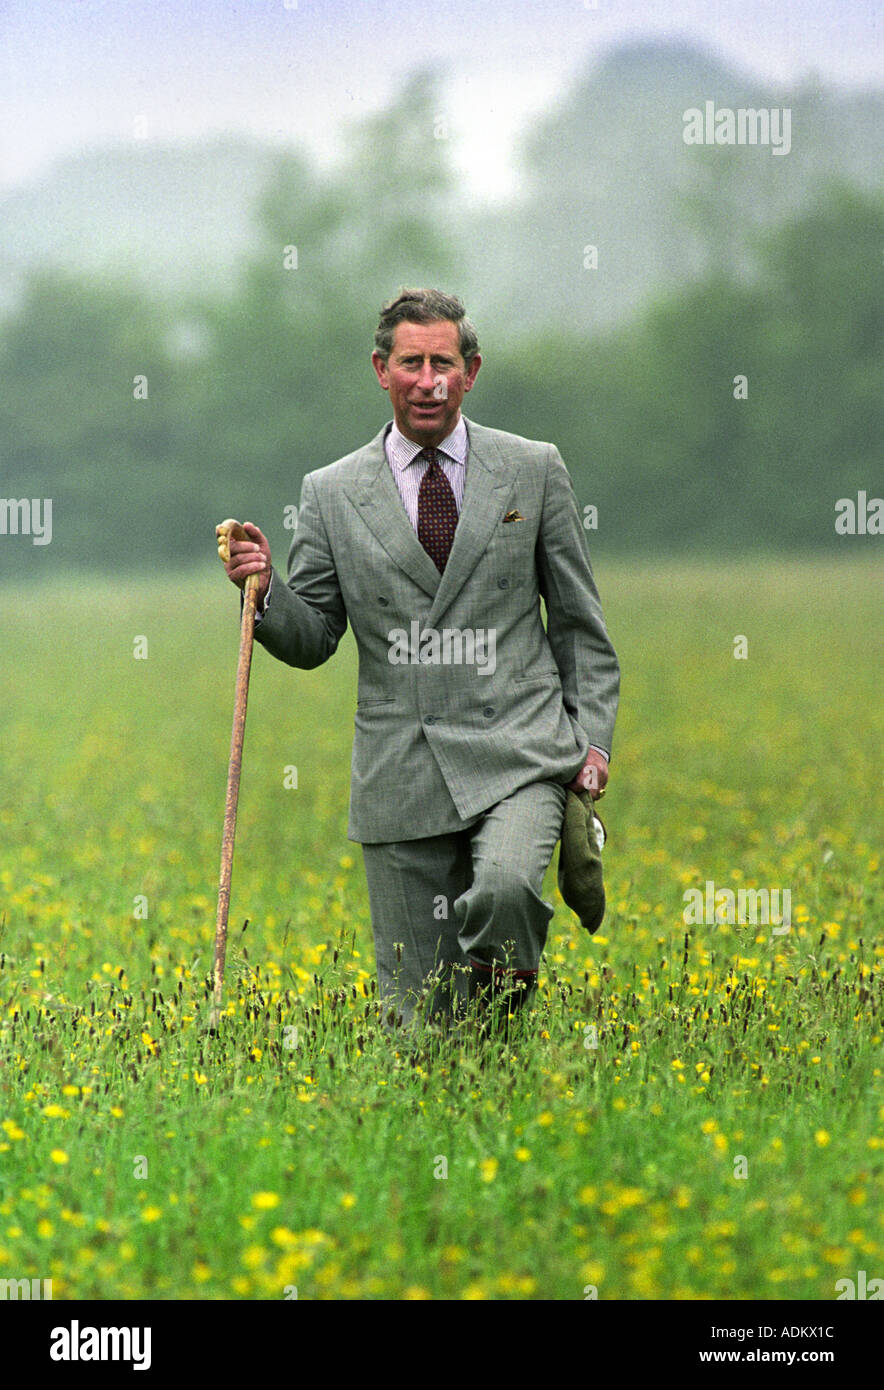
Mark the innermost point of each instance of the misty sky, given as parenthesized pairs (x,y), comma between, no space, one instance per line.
(78,73)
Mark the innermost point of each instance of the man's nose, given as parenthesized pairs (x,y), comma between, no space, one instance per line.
(427,377)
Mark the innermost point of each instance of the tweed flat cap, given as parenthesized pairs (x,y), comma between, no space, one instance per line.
(581,882)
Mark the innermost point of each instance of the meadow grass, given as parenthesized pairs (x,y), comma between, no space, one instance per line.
(690,1112)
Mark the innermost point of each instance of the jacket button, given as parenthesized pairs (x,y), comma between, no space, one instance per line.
(488,711)
(503,583)
(430,719)
(384,602)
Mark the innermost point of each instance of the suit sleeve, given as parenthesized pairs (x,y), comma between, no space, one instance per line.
(306,619)
(576,631)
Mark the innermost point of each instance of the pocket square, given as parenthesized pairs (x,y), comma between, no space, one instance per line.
(514,516)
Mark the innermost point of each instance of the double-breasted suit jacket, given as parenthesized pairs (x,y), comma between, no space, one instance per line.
(448,726)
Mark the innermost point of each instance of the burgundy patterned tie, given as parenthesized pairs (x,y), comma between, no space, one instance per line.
(436,512)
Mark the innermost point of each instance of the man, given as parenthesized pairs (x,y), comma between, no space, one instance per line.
(437,541)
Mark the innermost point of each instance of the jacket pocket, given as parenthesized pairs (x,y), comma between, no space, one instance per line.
(544,678)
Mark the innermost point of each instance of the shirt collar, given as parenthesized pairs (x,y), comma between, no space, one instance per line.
(404,451)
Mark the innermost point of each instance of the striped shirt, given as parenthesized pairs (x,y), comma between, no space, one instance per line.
(408,468)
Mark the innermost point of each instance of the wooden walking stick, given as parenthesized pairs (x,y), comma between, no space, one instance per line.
(227,531)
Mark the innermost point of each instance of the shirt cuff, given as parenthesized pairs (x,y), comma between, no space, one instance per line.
(259,616)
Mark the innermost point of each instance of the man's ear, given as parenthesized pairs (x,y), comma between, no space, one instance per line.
(472,372)
(380,367)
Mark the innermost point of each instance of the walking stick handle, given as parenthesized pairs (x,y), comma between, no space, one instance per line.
(233,530)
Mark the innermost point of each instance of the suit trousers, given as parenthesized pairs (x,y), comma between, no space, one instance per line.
(440,902)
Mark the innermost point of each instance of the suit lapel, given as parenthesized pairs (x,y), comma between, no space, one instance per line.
(376,498)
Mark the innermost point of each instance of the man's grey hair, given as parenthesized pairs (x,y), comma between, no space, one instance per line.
(425,306)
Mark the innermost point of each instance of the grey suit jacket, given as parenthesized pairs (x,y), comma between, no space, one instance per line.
(448,725)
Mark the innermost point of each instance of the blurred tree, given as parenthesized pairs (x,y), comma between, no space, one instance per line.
(647,416)
(246,394)
(74,425)
(288,385)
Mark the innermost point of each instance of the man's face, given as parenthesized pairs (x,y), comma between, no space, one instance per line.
(427,379)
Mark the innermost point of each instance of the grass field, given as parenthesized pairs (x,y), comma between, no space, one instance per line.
(723,1139)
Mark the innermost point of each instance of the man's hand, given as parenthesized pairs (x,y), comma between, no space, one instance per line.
(592,776)
(249,557)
